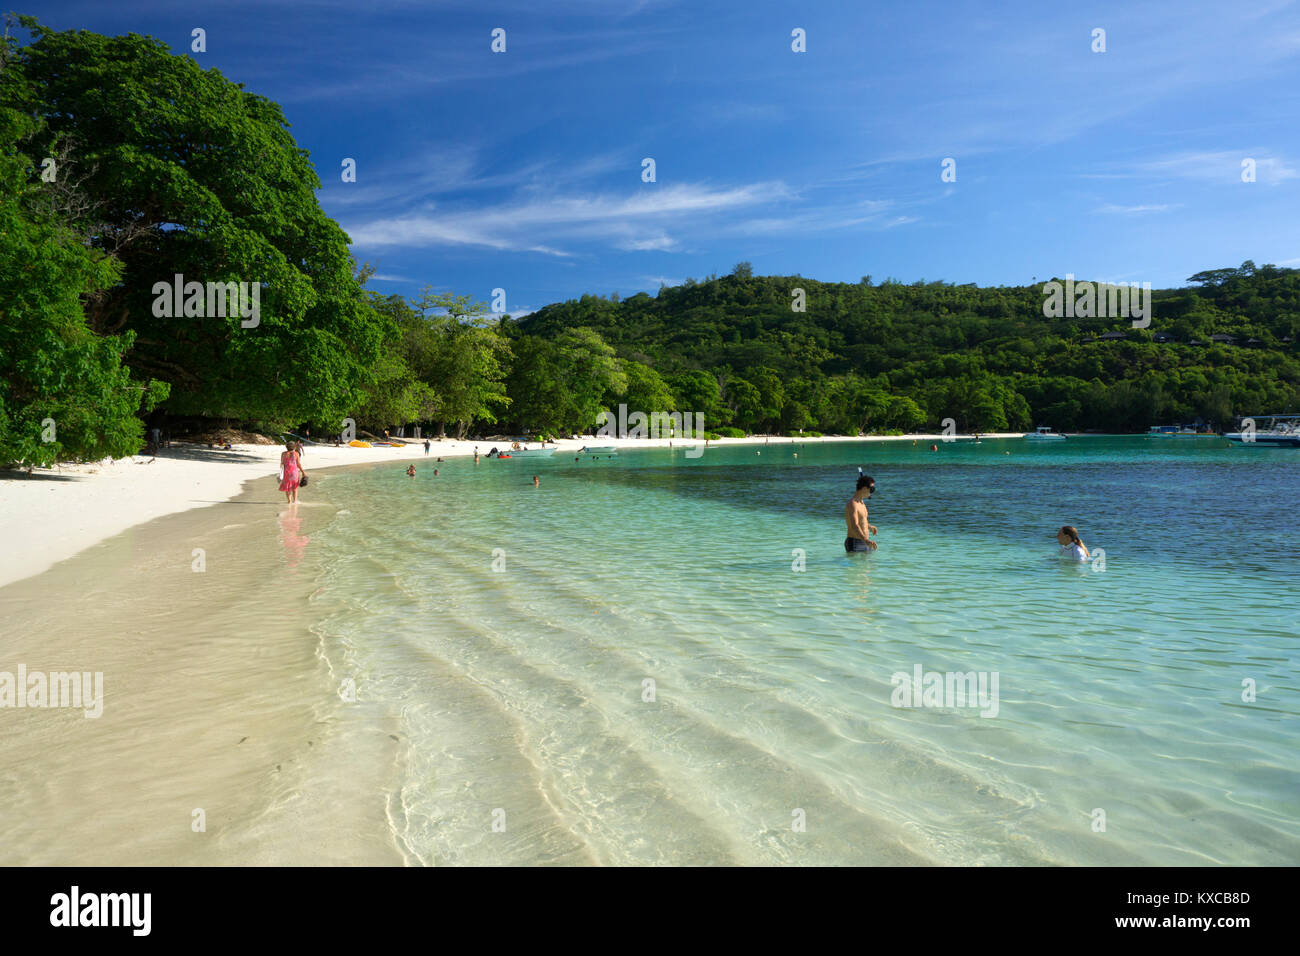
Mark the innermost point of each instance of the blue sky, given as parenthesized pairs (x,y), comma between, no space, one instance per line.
(522,170)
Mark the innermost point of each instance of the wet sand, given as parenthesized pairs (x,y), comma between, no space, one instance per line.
(218,741)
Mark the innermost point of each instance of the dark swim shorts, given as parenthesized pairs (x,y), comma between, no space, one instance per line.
(856,544)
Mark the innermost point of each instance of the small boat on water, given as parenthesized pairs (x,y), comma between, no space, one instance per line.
(1179,431)
(602,451)
(520,450)
(1268,431)
(1044,433)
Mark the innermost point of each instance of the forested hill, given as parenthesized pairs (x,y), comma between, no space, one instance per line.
(987,357)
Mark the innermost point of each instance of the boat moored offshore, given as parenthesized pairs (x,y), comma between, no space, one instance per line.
(1268,431)
(1044,433)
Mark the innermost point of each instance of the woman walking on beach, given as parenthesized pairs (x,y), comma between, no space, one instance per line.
(291,469)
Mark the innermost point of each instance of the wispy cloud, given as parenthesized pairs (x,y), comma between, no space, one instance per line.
(634,221)
(1223,166)
(411,73)
(872,212)
(436,171)
(1137,210)
(661,243)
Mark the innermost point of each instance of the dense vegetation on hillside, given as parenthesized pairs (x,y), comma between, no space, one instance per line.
(123,166)
(889,356)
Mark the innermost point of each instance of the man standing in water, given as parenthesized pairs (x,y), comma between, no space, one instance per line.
(855,517)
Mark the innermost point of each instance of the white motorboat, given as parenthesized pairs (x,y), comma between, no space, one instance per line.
(1044,433)
(1268,431)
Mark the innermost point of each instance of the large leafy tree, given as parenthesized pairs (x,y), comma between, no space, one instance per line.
(64,393)
(562,384)
(181,171)
(396,393)
(459,348)
(538,396)
(646,390)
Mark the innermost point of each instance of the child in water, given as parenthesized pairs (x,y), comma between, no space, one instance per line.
(1072,548)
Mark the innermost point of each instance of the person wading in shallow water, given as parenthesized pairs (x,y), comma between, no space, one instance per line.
(855,517)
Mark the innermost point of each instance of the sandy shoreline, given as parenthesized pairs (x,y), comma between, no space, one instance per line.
(59,512)
(222,738)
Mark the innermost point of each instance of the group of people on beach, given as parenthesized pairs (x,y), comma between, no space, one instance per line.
(860,529)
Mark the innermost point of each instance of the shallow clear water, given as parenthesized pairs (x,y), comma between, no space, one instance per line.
(522,692)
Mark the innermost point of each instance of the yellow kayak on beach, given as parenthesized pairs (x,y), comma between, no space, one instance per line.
(359,444)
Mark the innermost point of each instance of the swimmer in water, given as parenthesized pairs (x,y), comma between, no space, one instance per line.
(410,472)
(855,517)
(537,482)
(1071,547)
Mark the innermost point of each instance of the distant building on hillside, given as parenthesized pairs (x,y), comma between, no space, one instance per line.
(1223,338)
(1163,337)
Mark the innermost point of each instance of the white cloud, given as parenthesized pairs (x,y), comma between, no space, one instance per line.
(1223,166)
(869,212)
(633,221)
(1136,210)
(661,243)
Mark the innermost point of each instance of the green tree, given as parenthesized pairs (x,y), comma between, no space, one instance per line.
(646,390)
(396,393)
(460,351)
(181,171)
(589,370)
(698,392)
(64,393)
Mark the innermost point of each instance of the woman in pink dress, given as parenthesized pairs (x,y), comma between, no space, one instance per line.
(291,471)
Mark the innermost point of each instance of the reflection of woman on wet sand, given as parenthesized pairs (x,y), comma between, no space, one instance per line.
(295,543)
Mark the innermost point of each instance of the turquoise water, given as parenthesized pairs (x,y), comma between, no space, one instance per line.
(769,735)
